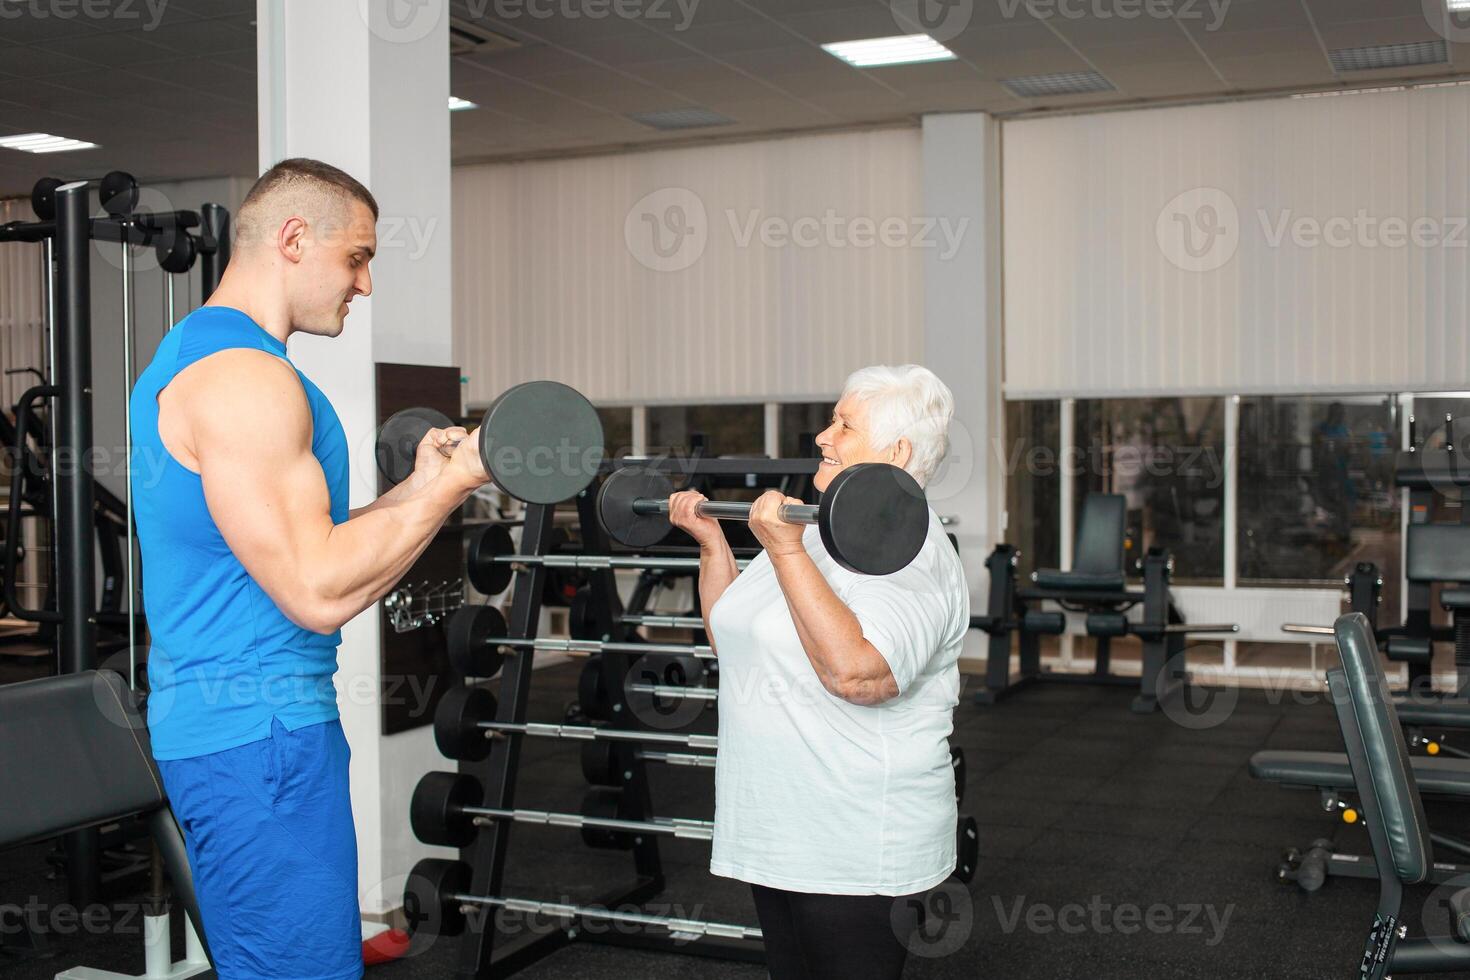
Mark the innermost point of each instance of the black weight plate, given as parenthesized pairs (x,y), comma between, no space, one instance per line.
(488,576)
(465,632)
(591,697)
(399,438)
(957,764)
(426,897)
(874,518)
(600,764)
(436,812)
(606,804)
(581,620)
(455,731)
(967,849)
(541,442)
(615,506)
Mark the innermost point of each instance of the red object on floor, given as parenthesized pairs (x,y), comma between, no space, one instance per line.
(385,947)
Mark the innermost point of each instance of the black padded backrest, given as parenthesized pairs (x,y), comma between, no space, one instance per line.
(1099,548)
(1375,746)
(1438,553)
(73,753)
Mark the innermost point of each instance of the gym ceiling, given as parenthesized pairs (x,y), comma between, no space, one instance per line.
(169,91)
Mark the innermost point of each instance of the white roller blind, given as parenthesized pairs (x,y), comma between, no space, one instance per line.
(22,311)
(770,285)
(1305,270)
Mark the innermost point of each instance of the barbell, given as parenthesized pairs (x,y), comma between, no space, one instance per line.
(436,901)
(464,724)
(493,560)
(476,635)
(541,442)
(873,517)
(446,812)
(605,763)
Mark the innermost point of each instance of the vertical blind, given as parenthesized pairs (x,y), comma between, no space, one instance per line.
(739,271)
(22,308)
(1275,246)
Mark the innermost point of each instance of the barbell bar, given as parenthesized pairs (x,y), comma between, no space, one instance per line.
(464,726)
(493,560)
(476,633)
(1303,628)
(604,764)
(541,441)
(445,812)
(438,901)
(873,517)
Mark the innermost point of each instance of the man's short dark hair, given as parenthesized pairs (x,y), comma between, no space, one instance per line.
(310,171)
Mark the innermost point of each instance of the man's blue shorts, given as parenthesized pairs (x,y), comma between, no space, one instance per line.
(268,827)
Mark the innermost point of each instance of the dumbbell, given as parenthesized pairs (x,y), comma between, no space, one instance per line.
(873,516)
(541,442)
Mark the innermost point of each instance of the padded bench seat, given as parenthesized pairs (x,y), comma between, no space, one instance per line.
(1050,578)
(1330,770)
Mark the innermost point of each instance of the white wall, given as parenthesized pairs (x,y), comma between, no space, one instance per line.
(1301,273)
(773,282)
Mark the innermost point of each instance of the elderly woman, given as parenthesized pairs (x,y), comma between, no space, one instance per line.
(833,788)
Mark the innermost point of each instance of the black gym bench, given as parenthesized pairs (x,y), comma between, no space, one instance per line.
(1392,812)
(74,753)
(1097,588)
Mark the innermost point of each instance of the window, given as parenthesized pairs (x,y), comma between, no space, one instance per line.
(1167,457)
(1430,432)
(617,431)
(799,425)
(1033,435)
(718,430)
(1316,490)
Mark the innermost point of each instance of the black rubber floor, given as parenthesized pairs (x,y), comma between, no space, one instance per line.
(1113,845)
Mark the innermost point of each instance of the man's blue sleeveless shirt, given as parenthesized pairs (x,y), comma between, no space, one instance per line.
(224,660)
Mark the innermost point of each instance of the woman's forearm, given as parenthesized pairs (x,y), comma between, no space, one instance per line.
(717,569)
(845,662)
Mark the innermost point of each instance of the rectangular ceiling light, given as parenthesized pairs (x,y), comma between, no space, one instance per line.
(1389,56)
(43,143)
(1458,5)
(457,104)
(692,118)
(1057,83)
(874,52)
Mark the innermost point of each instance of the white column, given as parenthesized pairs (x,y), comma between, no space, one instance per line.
(773,430)
(365,87)
(962,329)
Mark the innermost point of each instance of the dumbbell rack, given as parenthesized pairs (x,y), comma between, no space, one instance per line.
(483,952)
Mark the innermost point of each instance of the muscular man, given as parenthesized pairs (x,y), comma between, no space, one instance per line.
(251,564)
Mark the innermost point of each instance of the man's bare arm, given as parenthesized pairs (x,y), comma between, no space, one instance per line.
(249,427)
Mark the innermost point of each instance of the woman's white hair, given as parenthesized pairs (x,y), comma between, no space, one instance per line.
(906,401)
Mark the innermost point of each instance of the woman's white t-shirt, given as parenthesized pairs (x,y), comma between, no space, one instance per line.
(815,794)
